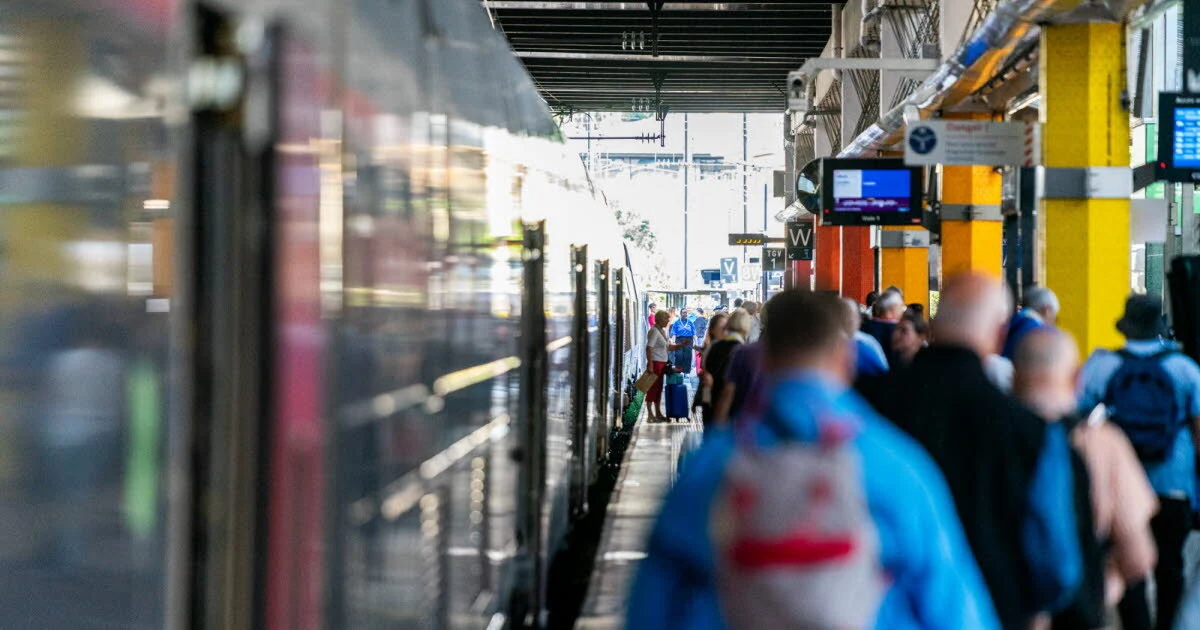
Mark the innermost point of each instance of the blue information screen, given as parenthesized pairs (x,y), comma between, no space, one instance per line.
(872,191)
(1186,153)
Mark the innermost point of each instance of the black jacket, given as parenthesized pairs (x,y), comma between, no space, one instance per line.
(987,445)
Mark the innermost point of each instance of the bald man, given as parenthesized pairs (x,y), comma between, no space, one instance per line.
(1119,500)
(1009,473)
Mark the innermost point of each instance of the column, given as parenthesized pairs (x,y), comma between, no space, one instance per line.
(1086,138)
(858,263)
(905,262)
(828,258)
(972,228)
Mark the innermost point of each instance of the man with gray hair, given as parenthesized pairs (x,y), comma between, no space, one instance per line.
(887,311)
(1040,309)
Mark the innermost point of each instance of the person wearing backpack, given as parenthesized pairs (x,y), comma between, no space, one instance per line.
(1152,393)
(812,513)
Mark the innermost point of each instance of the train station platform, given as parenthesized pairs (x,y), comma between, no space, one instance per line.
(646,473)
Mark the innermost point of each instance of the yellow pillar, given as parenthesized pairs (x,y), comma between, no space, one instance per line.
(1087,183)
(971,223)
(904,253)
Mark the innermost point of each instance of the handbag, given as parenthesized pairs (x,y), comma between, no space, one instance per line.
(646,381)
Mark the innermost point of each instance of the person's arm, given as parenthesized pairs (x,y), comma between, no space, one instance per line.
(922,543)
(1134,504)
(1049,537)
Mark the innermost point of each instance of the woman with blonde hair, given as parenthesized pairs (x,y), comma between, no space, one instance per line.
(658,348)
(716,360)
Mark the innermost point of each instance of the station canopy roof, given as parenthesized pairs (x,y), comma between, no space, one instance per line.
(688,56)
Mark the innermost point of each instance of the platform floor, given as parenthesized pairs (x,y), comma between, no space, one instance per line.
(646,474)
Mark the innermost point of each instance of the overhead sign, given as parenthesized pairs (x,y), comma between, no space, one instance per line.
(967,143)
(799,240)
(773,258)
(747,239)
(729,270)
(1179,137)
(870,191)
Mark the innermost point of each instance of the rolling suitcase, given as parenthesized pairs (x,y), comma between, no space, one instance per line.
(676,400)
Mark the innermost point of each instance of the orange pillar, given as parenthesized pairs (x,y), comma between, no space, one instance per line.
(801,275)
(858,263)
(829,258)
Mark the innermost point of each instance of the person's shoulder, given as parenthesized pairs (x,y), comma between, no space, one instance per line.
(1180,364)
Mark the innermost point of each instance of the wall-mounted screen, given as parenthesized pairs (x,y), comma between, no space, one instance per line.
(870,192)
(1179,137)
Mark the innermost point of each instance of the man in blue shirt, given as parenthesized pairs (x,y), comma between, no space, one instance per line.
(1040,309)
(1173,478)
(933,579)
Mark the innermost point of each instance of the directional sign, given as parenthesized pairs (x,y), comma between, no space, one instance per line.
(799,240)
(965,143)
(773,258)
(729,270)
(747,239)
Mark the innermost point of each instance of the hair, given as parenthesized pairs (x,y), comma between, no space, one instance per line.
(1038,298)
(853,316)
(751,307)
(654,305)
(714,322)
(738,303)
(739,322)
(917,308)
(817,321)
(871,298)
(661,316)
(887,302)
(699,310)
(920,324)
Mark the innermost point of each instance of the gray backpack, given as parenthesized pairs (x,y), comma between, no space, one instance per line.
(796,545)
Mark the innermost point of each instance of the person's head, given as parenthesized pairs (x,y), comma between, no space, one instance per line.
(653,307)
(909,336)
(1142,319)
(738,322)
(1044,372)
(889,307)
(817,341)
(751,307)
(871,298)
(852,316)
(916,309)
(895,289)
(1043,302)
(737,303)
(716,326)
(972,312)
(699,312)
(683,312)
(661,319)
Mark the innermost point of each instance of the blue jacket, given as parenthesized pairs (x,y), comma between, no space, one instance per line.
(1022,323)
(935,581)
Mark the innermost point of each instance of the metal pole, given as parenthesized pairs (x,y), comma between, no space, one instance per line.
(686,162)
(745,189)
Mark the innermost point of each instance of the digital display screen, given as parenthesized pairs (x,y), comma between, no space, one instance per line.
(1186,145)
(872,190)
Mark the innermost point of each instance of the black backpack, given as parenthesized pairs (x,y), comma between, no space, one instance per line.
(1141,401)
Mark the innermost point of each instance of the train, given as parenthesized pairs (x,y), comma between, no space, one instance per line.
(311,318)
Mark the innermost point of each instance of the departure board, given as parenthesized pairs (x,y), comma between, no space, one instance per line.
(1186,134)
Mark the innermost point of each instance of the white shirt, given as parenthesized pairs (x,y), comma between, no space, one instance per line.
(656,341)
(755,329)
(999,371)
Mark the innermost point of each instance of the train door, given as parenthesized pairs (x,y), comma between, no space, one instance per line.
(603,359)
(581,463)
(528,595)
(258,397)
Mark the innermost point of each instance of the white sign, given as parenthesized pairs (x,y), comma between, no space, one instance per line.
(969,143)
(729,270)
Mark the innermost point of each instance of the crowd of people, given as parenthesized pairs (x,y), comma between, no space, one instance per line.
(865,467)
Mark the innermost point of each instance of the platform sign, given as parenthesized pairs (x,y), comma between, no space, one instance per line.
(1179,137)
(773,258)
(799,240)
(965,143)
(729,270)
(752,240)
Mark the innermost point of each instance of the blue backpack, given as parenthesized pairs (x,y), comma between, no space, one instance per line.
(1141,401)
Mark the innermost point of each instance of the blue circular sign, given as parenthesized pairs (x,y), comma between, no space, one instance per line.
(922,140)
